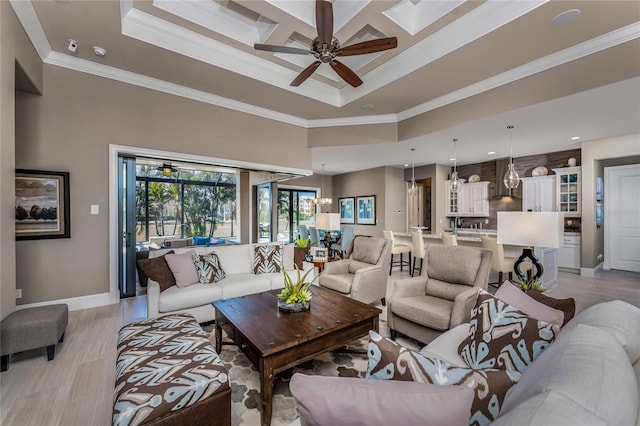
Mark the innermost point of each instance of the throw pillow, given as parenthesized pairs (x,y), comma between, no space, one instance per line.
(567,306)
(352,401)
(156,268)
(368,250)
(267,258)
(390,361)
(520,300)
(201,241)
(183,268)
(208,268)
(501,336)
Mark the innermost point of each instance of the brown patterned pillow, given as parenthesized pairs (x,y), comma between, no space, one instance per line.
(157,269)
(567,306)
(209,269)
(267,258)
(390,361)
(501,336)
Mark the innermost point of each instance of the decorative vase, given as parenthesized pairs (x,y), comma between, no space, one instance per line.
(300,255)
(293,307)
(572,162)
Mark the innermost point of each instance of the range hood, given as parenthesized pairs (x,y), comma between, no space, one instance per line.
(502,166)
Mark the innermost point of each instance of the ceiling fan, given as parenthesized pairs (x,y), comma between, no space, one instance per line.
(326,48)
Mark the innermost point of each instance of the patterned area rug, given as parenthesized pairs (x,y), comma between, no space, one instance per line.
(245,383)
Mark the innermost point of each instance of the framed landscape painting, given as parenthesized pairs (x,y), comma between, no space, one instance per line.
(347,210)
(366,208)
(42,205)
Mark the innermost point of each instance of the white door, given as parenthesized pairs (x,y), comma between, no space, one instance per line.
(622,217)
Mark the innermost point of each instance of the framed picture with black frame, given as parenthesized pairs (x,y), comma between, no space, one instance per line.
(42,205)
(366,210)
(347,210)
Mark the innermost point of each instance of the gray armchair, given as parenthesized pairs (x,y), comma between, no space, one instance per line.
(442,296)
(363,276)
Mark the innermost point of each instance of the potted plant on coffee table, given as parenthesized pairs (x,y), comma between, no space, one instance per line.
(295,296)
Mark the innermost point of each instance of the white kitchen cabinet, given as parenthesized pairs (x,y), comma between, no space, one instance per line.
(472,201)
(568,190)
(569,253)
(539,194)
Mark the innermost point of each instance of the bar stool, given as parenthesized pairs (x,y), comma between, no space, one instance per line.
(449,240)
(400,249)
(499,262)
(418,252)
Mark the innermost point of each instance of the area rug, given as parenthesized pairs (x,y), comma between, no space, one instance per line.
(245,382)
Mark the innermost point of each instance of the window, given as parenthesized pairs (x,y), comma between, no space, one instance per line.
(187,203)
(295,208)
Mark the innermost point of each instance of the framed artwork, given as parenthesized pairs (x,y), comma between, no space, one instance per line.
(599,189)
(366,210)
(347,210)
(42,205)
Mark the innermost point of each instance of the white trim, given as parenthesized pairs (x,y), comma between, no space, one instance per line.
(77,303)
(115,150)
(590,272)
(90,67)
(389,71)
(31,24)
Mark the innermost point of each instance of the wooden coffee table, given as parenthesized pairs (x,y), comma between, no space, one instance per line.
(275,341)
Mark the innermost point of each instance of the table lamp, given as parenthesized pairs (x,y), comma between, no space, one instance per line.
(530,229)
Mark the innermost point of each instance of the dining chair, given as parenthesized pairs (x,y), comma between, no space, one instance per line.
(501,263)
(346,236)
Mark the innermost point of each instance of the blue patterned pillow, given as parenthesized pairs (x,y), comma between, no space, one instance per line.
(390,361)
(208,267)
(500,336)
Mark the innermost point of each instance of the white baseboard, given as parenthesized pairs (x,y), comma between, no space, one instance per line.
(590,272)
(76,303)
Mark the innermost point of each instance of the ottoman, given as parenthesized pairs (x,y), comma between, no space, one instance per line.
(32,328)
(168,373)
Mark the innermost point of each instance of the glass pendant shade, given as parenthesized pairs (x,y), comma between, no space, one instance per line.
(455,185)
(322,201)
(413,186)
(511,178)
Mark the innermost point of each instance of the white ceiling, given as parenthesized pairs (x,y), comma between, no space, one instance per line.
(578,79)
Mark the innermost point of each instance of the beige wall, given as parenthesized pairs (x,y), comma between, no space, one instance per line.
(356,135)
(593,154)
(70,129)
(14,47)
(395,206)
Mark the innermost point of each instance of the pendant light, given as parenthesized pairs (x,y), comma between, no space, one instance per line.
(511,179)
(455,185)
(413,187)
(322,200)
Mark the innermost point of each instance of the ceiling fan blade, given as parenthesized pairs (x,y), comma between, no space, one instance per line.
(281,49)
(324,21)
(370,46)
(305,74)
(346,73)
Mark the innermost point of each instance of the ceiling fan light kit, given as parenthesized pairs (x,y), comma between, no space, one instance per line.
(326,48)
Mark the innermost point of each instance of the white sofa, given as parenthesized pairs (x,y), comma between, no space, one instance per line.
(589,376)
(237,262)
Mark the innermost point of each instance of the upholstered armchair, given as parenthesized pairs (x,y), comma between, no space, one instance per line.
(424,306)
(363,276)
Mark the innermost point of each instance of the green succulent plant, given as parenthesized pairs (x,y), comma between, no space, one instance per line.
(527,285)
(303,242)
(296,291)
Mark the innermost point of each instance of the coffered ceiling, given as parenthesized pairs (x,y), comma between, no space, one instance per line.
(459,66)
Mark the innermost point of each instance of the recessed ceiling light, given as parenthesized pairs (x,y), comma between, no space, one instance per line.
(575,138)
(366,107)
(452,159)
(406,164)
(491,152)
(565,17)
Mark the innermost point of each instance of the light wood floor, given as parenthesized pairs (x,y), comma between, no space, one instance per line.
(76,388)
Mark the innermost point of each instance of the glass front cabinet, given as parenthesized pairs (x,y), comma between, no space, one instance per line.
(568,189)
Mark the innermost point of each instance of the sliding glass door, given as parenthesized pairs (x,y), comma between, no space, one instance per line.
(295,208)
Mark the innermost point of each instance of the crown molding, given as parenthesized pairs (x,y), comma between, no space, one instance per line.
(31,24)
(117,74)
(353,121)
(614,38)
